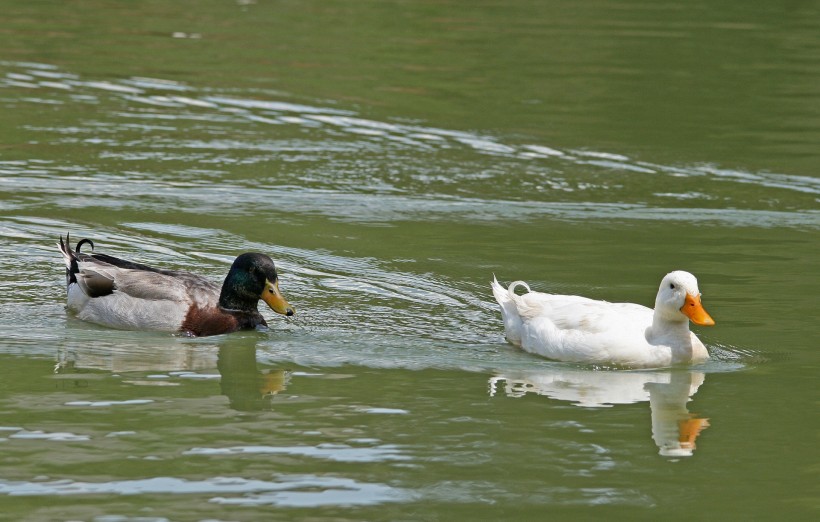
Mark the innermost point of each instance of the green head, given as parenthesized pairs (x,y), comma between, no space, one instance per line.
(253,277)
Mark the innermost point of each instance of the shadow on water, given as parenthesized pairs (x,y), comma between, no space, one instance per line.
(674,428)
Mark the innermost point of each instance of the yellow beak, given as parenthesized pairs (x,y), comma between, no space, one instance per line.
(274,298)
(694,311)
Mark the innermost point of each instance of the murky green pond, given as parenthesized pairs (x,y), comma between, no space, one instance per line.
(391,157)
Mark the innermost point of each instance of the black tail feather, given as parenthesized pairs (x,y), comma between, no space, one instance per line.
(72,268)
(82,242)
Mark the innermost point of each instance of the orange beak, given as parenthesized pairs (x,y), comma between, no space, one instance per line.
(689,429)
(694,311)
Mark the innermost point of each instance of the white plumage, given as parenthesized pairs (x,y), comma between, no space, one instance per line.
(577,329)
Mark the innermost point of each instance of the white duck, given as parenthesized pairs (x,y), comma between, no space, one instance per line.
(576,329)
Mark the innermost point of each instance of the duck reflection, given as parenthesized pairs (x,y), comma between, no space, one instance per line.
(247,386)
(674,428)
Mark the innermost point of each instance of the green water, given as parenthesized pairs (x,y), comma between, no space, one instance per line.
(391,157)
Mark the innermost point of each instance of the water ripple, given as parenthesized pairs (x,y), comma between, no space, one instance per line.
(284,490)
(334,452)
(551,180)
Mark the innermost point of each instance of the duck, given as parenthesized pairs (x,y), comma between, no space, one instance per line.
(578,329)
(126,295)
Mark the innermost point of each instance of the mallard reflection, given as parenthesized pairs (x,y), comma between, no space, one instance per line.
(144,354)
(247,387)
(142,361)
(674,428)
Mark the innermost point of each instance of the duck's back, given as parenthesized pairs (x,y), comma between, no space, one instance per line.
(572,312)
(574,328)
(122,294)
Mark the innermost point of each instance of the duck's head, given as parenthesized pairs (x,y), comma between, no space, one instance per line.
(679,299)
(253,277)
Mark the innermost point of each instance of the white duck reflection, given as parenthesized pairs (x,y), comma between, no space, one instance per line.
(674,428)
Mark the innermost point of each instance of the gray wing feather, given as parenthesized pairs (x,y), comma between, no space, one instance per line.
(95,283)
(151,285)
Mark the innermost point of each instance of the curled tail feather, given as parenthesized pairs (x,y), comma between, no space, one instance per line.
(514,285)
(510,304)
(526,306)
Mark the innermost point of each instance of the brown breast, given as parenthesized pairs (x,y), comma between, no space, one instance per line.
(202,321)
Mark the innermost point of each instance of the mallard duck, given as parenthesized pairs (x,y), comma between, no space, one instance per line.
(577,329)
(122,294)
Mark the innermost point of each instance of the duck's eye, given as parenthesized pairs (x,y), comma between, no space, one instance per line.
(672,286)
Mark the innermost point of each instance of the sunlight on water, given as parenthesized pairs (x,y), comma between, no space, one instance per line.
(297,490)
(334,452)
(360,193)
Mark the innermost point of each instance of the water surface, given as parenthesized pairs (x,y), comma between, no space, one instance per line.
(391,158)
